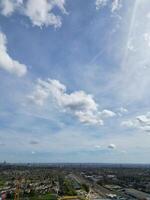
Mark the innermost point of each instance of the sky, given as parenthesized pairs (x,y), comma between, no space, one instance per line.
(74,81)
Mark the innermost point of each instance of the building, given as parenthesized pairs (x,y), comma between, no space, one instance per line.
(138,194)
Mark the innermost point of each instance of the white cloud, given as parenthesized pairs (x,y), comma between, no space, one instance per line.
(40,12)
(123,110)
(9,6)
(107,113)
(6,62)
(129,123)
(39,95)
(112,146)
(100,3)
(115,5)
(89,118)
(141,122)
(79,103)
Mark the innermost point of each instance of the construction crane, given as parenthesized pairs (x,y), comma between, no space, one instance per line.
(17,190)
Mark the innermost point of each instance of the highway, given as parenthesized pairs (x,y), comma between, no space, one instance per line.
(94,188)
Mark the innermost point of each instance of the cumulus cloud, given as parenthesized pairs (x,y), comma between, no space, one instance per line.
(144,119)
(89,117)
(79,103)
(111,146)
(40,12)
(9,6)
(6,62)
(115,4)
(141,122)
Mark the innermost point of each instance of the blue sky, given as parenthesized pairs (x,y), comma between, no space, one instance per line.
(75,81)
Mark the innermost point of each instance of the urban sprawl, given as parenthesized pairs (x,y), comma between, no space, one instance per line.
(74,182)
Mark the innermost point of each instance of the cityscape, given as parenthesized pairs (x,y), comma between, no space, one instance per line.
(74,181)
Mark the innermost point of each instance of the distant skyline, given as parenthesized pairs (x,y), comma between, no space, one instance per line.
(75,79)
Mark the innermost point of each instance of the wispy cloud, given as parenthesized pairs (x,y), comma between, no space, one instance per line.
(141,122)
(115,4)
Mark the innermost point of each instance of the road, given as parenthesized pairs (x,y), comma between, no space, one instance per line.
(94,188)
